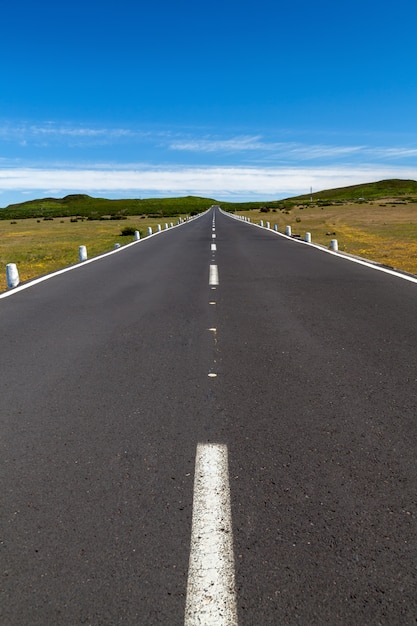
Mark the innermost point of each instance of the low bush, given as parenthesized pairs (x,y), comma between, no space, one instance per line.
(128,231)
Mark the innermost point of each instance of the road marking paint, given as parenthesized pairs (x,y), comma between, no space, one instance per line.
(213,236)
(213,247)
(211,596)
(213,275)
(212,375)
(212,302)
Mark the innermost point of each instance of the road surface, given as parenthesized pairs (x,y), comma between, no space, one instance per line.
(294,369)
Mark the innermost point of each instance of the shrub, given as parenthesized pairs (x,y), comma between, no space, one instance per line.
(128,231)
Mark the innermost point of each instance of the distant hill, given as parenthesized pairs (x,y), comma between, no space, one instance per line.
(392,188)
(96,208)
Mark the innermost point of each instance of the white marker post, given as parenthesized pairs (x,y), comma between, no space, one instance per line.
(149,230)
(288,231)
(82,253)
(334,245)
(137,235)
(12,275)
(308,238)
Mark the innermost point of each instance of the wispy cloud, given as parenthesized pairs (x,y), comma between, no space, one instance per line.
(26,133)
(163,144)
(391,153)
(62,131)
(234,144)
(289,150)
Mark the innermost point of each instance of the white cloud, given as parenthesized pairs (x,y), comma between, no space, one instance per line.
(392,153)
(27,132)
(293,151)
(234,144)
(218,182)
(289,150)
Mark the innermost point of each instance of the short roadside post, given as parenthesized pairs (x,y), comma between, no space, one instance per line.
(12,275)
(82,253)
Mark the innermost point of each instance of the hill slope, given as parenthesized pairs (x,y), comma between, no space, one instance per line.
(391,188)
(94,208)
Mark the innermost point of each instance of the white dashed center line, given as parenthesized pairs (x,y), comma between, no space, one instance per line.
(213,276)
(211,596)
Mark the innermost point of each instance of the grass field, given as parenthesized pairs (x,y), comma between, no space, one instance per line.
(383,231)
(42,246)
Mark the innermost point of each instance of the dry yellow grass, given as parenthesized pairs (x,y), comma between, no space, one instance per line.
(39,247)
(379,231)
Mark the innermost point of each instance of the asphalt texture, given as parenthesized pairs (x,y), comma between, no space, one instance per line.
(105,394)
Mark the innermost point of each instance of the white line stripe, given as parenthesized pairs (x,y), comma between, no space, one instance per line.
(213,275)
(211,596)
(213,247)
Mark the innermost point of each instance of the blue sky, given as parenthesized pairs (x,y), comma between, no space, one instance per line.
(232,100)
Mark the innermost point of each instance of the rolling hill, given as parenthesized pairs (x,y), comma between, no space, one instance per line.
(97,208)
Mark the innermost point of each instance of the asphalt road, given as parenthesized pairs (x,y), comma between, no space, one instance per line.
(302,364)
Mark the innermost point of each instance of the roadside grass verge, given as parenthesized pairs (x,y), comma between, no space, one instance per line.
(39,247)
(380,231)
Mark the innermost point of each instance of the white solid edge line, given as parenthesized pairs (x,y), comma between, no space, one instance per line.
(76,266)
(339,254)
(211,595)
(213,275)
